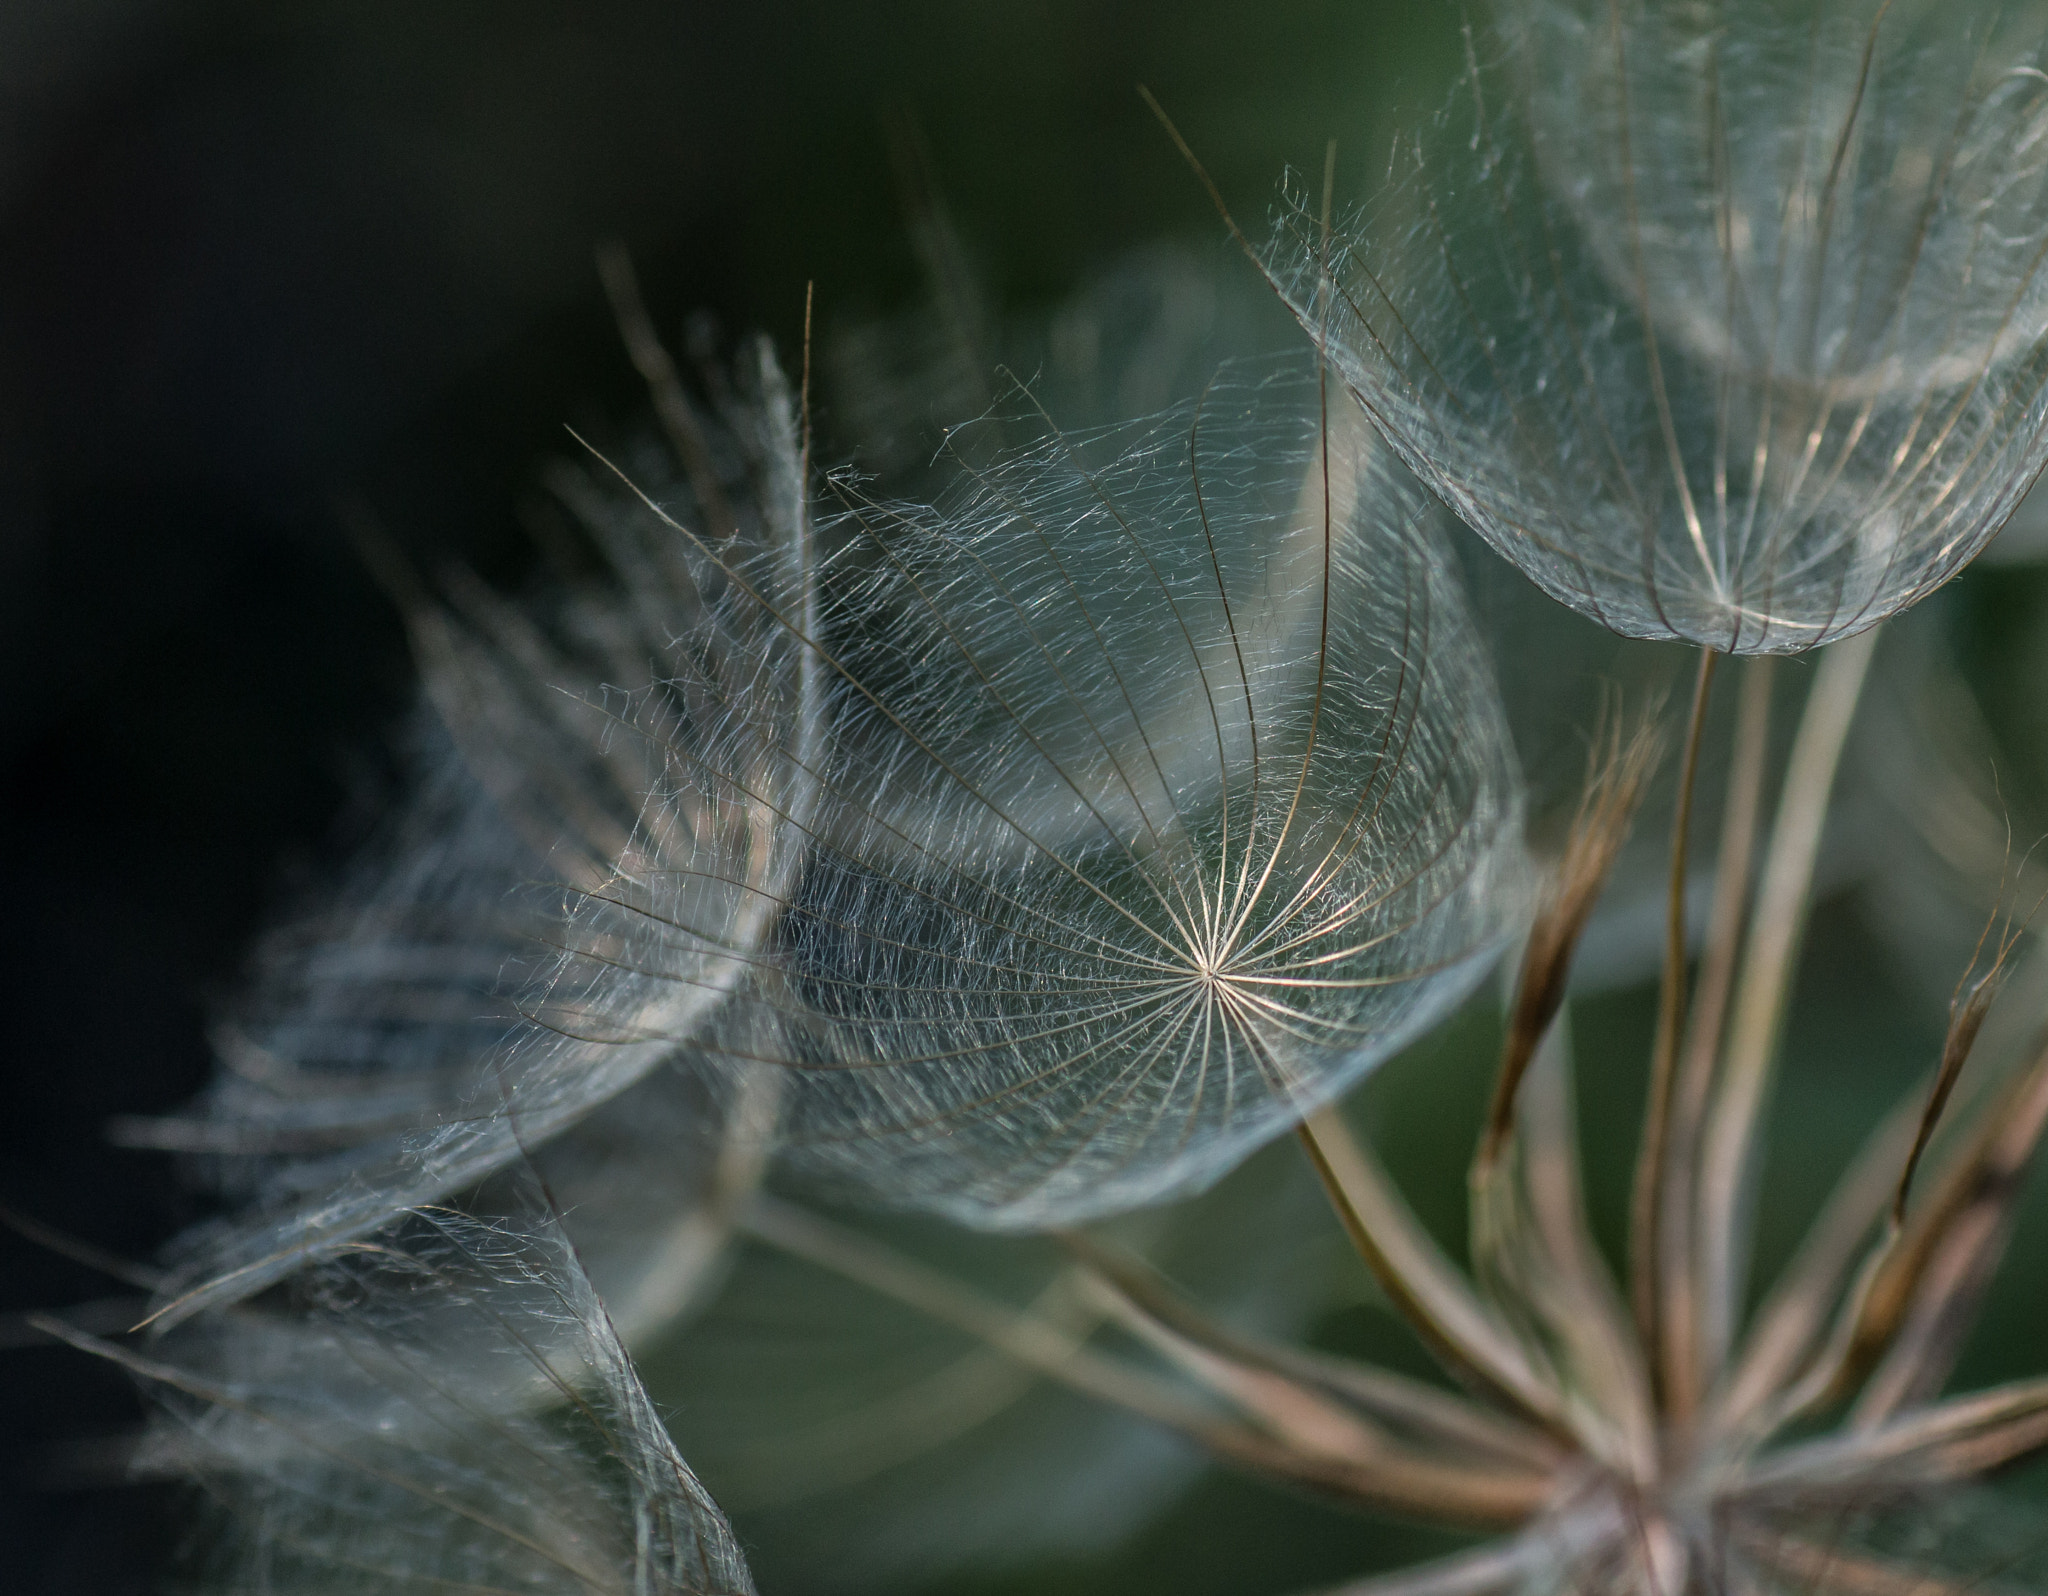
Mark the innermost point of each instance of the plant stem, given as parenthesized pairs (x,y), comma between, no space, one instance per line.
(1730,1155)
(1425,1286)
(1682,1377)
(1644,1215)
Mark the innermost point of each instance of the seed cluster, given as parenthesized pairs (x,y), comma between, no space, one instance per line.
(1030,834)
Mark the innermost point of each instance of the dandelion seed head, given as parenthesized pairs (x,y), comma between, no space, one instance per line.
(1870,181)
(1724,324)
(1031,840)
(575,897)
(1169,795)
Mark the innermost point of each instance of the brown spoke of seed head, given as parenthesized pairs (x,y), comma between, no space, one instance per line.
(1645,1217)
(1828,1568)
(1316,1431)
(1928,1270)
(2016,1429)
(1947,1442)
(1428,1290)
(1618,774)
(1935,1266)
(1910,1268)
(1433,1490)
(1782,1335)
(1309,1422)
(1730,1145)
(1042,1347)
(1589,1315)
(1968,1006)
(1441,1421)
(1678,1347)
(1971,1215)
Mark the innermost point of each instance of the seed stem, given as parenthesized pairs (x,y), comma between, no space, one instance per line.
(1731,1151)
(1644,1210)
(1427,1289)
(1682,1377)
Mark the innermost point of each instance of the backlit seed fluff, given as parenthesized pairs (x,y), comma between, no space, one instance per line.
(446,1407)
(615,852)
(1724,322)
(1169,793)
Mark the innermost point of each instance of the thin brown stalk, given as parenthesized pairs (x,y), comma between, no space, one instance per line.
(1731,1147)
(1544,1254)
(1948,1252)
(1922,1264)
(1794,1316)
(1678,1349)
(1551,1167)
(1046,1348)
(1951,1440)
(1807,1566)
(1994,1447)
(1296,1415)
(1645,1218)
(1440,1419)
(1416,1486)
(1424,1286)
(1553,1270)
(1966,1013)
(1618,773)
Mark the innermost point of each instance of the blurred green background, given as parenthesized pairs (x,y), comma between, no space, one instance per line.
(260,260)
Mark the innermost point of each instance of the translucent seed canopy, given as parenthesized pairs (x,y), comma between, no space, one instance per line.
(1873,178)
(1168,794)
(444,1408)
(571,903)
(1724,322)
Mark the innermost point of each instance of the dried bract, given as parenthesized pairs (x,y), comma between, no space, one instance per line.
(1169,794)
